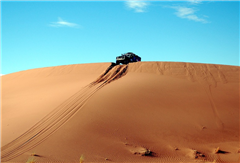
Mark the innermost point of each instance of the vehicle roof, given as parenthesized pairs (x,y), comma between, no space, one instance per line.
(130,53)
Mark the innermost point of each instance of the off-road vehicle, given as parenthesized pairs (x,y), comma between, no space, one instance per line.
(127,58)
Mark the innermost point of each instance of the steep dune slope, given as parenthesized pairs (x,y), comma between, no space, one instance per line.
(145,112)
(27,96)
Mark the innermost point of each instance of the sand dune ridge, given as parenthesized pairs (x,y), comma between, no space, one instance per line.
(179,112)
(53,121)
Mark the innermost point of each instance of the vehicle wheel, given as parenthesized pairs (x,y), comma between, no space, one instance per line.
(117,62)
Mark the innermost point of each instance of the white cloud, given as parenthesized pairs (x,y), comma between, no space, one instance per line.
(188,13)
(184,11)
(138,6)
(195,1)
(1,74)
(62,23)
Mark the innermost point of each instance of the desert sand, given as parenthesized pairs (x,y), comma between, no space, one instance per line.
(140,112)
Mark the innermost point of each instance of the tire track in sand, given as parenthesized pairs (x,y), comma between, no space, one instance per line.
(60,115)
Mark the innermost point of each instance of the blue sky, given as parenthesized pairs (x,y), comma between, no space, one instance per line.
(44,34)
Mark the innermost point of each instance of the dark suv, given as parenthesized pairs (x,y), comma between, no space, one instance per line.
(127,58)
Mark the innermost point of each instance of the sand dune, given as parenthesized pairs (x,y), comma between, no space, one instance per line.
(141,112)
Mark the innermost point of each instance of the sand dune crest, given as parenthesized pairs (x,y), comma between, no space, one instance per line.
(53,121)
(155,112)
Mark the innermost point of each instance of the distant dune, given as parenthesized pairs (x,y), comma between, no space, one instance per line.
(140,112)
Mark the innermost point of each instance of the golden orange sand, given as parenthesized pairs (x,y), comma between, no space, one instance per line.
(141,112)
